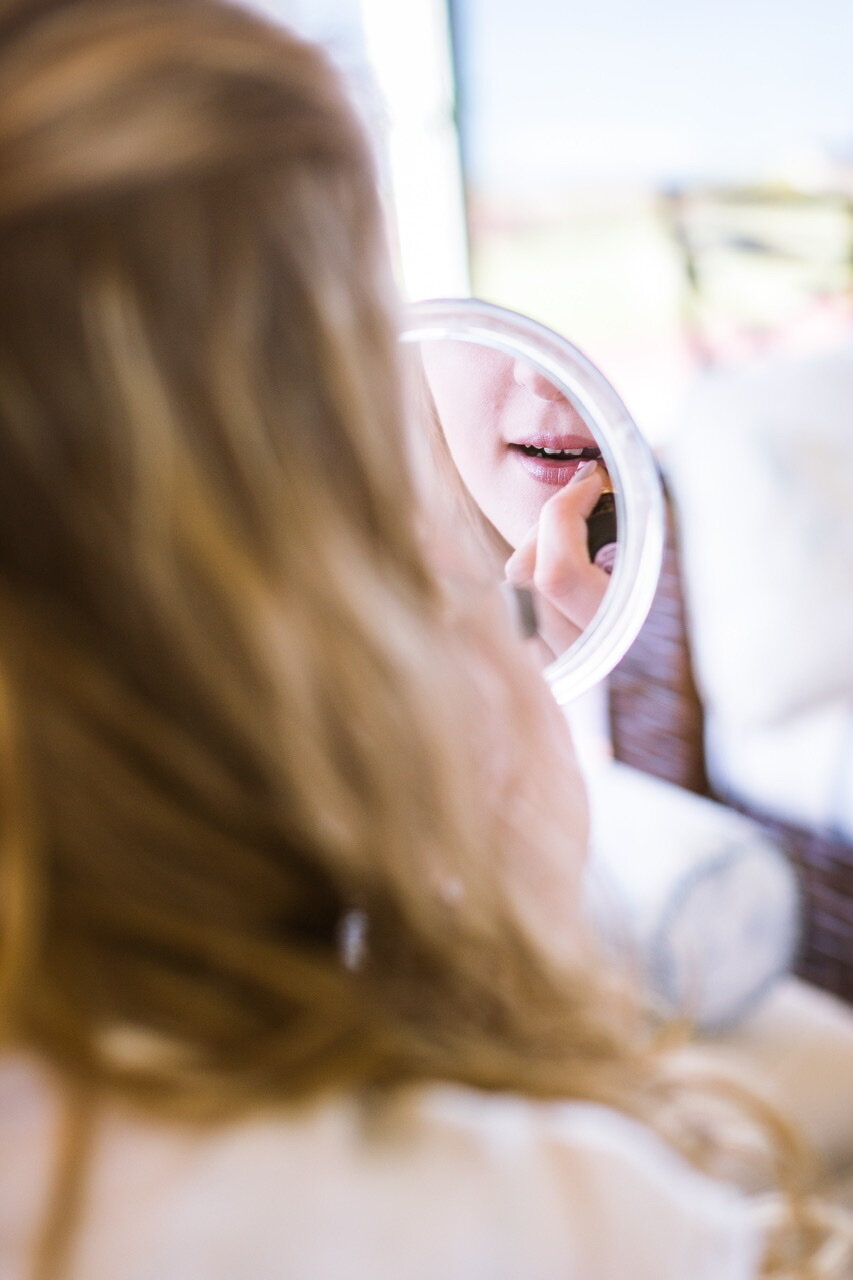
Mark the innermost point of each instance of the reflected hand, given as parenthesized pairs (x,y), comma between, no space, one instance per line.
(553,561)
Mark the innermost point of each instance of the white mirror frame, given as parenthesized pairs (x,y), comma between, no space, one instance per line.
(639,499)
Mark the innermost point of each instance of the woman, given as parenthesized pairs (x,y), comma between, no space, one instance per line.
(526,473)
(238,701)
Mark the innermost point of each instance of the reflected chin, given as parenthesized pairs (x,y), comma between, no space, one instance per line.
(516,519)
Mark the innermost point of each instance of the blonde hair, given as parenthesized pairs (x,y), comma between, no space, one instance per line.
(235,697)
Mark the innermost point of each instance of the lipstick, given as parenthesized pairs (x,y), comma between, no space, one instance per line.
(601,530)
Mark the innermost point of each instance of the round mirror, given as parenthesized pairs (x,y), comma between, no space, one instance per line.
(561,483)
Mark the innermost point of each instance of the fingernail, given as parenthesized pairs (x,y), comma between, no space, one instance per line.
(584,471)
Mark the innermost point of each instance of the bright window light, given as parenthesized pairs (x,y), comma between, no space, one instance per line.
(408,46)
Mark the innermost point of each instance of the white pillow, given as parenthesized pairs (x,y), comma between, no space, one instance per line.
(696,894)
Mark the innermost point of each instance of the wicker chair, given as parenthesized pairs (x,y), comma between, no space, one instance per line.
(656,722)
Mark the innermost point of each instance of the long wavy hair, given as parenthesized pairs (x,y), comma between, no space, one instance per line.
(239,696)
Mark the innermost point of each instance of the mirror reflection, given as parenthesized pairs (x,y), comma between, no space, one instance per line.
(532,468)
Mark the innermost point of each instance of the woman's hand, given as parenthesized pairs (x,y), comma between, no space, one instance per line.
(554,562)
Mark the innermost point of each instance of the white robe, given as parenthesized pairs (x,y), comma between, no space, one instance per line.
(443,1183)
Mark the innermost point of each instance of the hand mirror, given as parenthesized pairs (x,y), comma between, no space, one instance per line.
(552,465)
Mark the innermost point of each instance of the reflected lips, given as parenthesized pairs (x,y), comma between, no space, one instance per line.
(532,455)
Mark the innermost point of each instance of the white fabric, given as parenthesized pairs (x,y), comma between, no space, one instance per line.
(443,1184)
(698,893)
(761,471)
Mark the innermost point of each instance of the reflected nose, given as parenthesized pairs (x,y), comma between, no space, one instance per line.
(527,375)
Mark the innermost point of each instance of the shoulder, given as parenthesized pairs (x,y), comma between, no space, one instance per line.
(461,1183)
(430,1181)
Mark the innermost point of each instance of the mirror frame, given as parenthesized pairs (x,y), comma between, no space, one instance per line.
(637,485)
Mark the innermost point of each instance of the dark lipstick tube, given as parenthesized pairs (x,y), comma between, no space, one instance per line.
(601,530)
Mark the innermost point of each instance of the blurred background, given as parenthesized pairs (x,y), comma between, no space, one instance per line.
(666,184)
